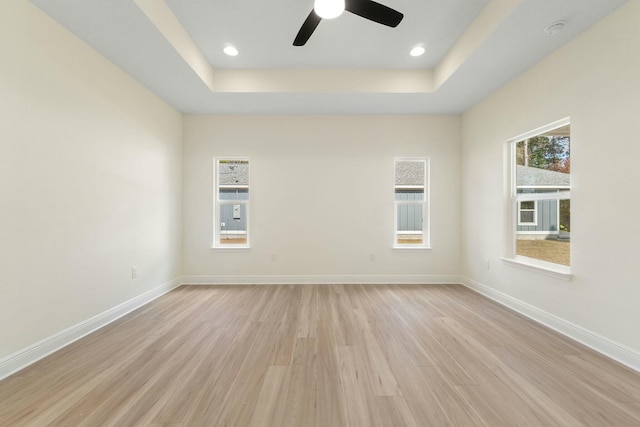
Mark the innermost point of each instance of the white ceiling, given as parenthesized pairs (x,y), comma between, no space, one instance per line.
(349,65)
(264,31)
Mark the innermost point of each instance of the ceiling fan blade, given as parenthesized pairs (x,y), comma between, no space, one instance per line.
(308,27)
(373,11)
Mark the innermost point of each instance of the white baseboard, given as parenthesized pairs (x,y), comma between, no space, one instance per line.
(319,280)
(25,357)
(618,352)
(39,350)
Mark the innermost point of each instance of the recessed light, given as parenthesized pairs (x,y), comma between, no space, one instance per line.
(417,51)
(230,50)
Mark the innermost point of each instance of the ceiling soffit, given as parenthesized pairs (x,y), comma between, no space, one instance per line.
(321,80)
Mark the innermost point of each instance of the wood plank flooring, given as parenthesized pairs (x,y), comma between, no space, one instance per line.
(325,356)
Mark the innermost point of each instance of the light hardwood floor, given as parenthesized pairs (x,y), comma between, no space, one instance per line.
(327,355)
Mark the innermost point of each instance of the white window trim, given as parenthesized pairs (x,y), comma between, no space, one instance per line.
(232,186)
(542,187)
(557,271)
(514,198)
(217,233)
(527,197)
(426,207)
(541,233)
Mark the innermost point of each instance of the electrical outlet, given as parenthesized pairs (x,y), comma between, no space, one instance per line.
(372,257)
(134,272)
(274,258)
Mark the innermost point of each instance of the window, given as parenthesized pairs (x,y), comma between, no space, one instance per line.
(527,213)
(541,196)
(411,203)
(231,215)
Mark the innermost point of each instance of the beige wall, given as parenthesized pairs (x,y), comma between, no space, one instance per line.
(93,180)
(90,181)
(321,195)
(595,80)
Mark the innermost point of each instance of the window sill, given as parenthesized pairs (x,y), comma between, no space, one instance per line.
(546,268)
(412,248)
(230,248)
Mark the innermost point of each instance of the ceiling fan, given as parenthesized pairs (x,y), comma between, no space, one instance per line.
(329,9)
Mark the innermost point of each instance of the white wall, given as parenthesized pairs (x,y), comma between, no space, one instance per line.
(91,173)
(321,196)
(595,79)
(90,182)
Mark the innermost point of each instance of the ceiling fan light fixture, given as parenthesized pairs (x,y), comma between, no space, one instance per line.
(328,9)
(230,50)
(417,51)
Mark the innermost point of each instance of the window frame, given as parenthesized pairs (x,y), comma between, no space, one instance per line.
(533,223)
(514,199)
(218,203)
(425,206)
